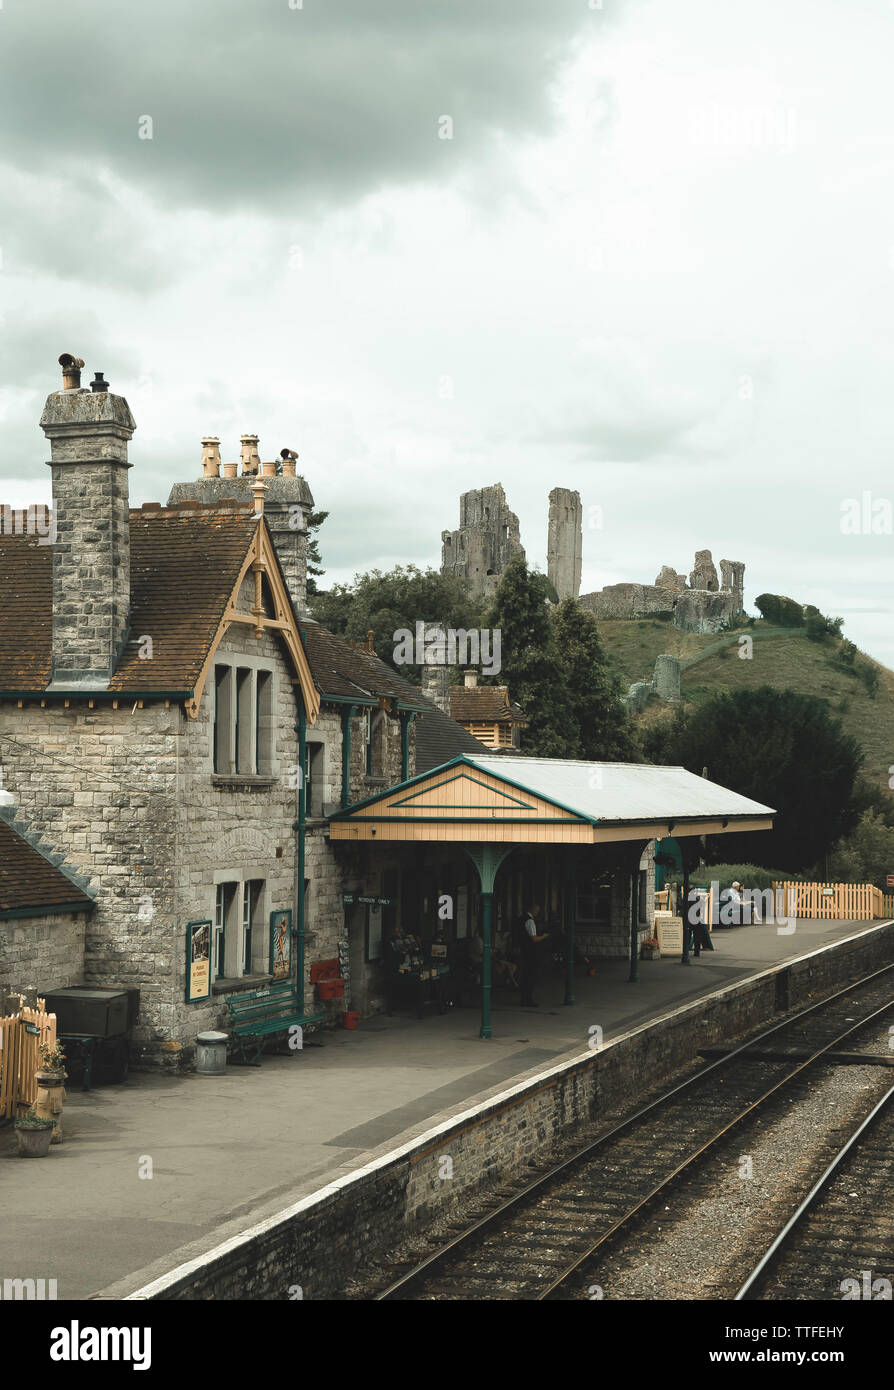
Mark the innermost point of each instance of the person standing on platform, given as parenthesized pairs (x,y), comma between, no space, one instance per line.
(530,943)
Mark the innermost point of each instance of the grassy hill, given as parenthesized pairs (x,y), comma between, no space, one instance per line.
(782,657)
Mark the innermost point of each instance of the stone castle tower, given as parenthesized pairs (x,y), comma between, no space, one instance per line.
(287,502)
(487,539)
(564,542)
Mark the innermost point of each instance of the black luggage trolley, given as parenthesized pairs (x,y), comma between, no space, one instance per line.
(94,1026)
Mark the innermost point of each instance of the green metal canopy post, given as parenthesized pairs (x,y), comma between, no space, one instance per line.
(568,913)
(634,925)
(487,860)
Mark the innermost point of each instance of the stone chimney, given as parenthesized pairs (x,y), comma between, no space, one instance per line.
(436,686)
(471,680)
(88,430)
(287,502)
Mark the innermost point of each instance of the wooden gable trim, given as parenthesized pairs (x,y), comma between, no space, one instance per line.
(260,559)
(461,793)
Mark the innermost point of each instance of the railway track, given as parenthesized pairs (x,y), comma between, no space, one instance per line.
(840,1241)
(539,1243)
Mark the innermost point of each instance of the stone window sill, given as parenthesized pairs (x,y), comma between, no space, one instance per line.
(242,982)
(245,781)
(376,782)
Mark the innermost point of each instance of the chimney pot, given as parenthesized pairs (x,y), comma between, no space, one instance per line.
(251,459)
(99,382)
(71,371)
(210,456)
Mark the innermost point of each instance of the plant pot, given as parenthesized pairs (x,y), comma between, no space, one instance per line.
(51,1098)
(34,1142)
(50,1077)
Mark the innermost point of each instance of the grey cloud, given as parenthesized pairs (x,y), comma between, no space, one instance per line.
(264,103)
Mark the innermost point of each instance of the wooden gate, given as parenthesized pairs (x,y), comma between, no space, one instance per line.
(21,1035)
(834,902)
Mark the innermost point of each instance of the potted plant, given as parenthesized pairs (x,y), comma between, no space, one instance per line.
(651,949)
(33,1135)
(51,1071)
(51,1077)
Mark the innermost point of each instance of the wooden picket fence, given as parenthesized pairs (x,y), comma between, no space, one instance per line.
(21,1035)
(835,902)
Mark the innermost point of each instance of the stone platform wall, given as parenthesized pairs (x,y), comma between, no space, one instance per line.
(321,1241)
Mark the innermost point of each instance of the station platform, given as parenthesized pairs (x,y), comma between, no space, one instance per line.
(238,1146)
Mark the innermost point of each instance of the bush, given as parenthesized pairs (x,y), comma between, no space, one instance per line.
(749,875)
(866,855)
(784,612)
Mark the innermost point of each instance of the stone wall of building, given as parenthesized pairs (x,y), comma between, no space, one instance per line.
(44,952)
(230,829)
(101,785)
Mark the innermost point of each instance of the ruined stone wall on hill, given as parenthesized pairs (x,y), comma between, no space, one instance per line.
(704,604)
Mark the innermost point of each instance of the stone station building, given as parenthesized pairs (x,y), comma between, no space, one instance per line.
(183,747)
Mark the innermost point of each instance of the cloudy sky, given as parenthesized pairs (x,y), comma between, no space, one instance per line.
(641,249)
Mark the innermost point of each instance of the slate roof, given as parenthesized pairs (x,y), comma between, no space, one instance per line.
(340,669)
(485,704)
(184,562)
(624,792)
(30,881)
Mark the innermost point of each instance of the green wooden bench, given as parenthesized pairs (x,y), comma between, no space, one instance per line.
(259,1013)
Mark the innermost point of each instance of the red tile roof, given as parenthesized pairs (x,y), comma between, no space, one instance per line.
(184,562)
(484,703)
(29,881)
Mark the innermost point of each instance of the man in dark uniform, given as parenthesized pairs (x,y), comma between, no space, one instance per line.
(530,943)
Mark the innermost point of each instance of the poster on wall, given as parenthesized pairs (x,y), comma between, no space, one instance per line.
(281,944)
(198,961)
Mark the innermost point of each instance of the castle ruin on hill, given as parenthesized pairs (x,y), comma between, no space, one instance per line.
(488,537)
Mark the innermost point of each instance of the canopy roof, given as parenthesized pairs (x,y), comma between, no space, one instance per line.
(549,800)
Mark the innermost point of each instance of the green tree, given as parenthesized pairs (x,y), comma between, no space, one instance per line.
(776,608)
(777,747)
(867,854)
(536,679)
(389,602)
(314,559)
(601,723)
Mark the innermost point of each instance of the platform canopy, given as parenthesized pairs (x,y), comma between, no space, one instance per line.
(549,801)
